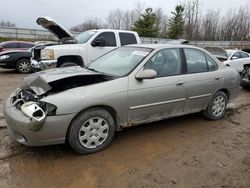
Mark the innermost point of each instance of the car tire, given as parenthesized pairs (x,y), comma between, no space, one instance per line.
(91,131)
(68,64)
(216,108)
(23,66)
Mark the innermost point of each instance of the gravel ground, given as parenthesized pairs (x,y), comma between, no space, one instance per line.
(187,151)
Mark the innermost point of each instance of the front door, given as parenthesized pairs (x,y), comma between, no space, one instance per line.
(97,51)
(154,99)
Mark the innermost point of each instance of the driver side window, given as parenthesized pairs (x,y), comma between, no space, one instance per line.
(235,55)
(109,38)
(166,62)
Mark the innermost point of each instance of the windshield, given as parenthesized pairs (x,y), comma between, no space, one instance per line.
(120,61)
(85,36)
(229,53)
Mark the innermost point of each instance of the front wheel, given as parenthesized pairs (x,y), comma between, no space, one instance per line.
(23,66)
(217,106)
(91,131)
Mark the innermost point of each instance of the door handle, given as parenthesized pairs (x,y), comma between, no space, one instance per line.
(179,83)
(217,78)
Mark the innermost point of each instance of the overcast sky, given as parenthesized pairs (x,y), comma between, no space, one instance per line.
(72,12)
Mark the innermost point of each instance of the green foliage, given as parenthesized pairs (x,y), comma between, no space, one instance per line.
(147,25)
(176,23)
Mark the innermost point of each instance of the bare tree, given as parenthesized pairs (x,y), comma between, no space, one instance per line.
(192,23)
(162,22)
(114,19)
(235,25)
(118,19)
(7,23)
(209,26)
(90,23)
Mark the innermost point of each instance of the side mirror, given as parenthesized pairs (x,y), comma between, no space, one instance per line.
(98,42)
(1,48)
(146,74)
(234,57)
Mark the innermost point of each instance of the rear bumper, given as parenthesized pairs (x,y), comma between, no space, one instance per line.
(53,130)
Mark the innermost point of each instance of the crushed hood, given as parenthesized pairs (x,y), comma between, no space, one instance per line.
(60,79)
(54,27)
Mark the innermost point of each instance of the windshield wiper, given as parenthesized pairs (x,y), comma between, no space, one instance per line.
(92,69)
(105,74)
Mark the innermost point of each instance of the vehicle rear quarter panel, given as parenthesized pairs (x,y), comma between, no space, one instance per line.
(231,82)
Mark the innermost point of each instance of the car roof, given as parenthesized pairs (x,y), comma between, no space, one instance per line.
(160,46)
(110,30)
(15,41)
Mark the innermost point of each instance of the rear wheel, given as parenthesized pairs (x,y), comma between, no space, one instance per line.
(23,66)
(91,131)
(217,106)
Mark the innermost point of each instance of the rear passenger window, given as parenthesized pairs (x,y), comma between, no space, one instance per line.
(127,38)
(244,55)
(196,61)
(212,65)
(109,38)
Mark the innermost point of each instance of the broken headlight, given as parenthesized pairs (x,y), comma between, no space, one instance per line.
(49,109)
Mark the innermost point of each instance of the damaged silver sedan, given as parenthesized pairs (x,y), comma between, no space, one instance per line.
(128,86)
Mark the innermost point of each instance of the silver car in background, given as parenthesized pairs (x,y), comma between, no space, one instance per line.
(128,86)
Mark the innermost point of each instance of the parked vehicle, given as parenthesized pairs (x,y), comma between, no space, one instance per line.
(16,59)
(128,86)
(218,52)
(15,45)
(79,50)
(245,77)
(246,50)
(236,59)
(19,59)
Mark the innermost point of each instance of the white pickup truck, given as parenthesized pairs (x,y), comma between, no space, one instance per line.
(79,50)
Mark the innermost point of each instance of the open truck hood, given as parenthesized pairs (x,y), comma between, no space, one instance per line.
(61,79)
(54,27)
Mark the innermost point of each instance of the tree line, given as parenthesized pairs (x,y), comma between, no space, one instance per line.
(7,23)
(185,21)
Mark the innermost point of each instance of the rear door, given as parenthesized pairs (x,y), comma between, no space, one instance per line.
(97,51)
(127,38)
(202,80)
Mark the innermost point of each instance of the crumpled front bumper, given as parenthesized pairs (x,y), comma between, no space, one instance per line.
(53,129)
(43,65)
